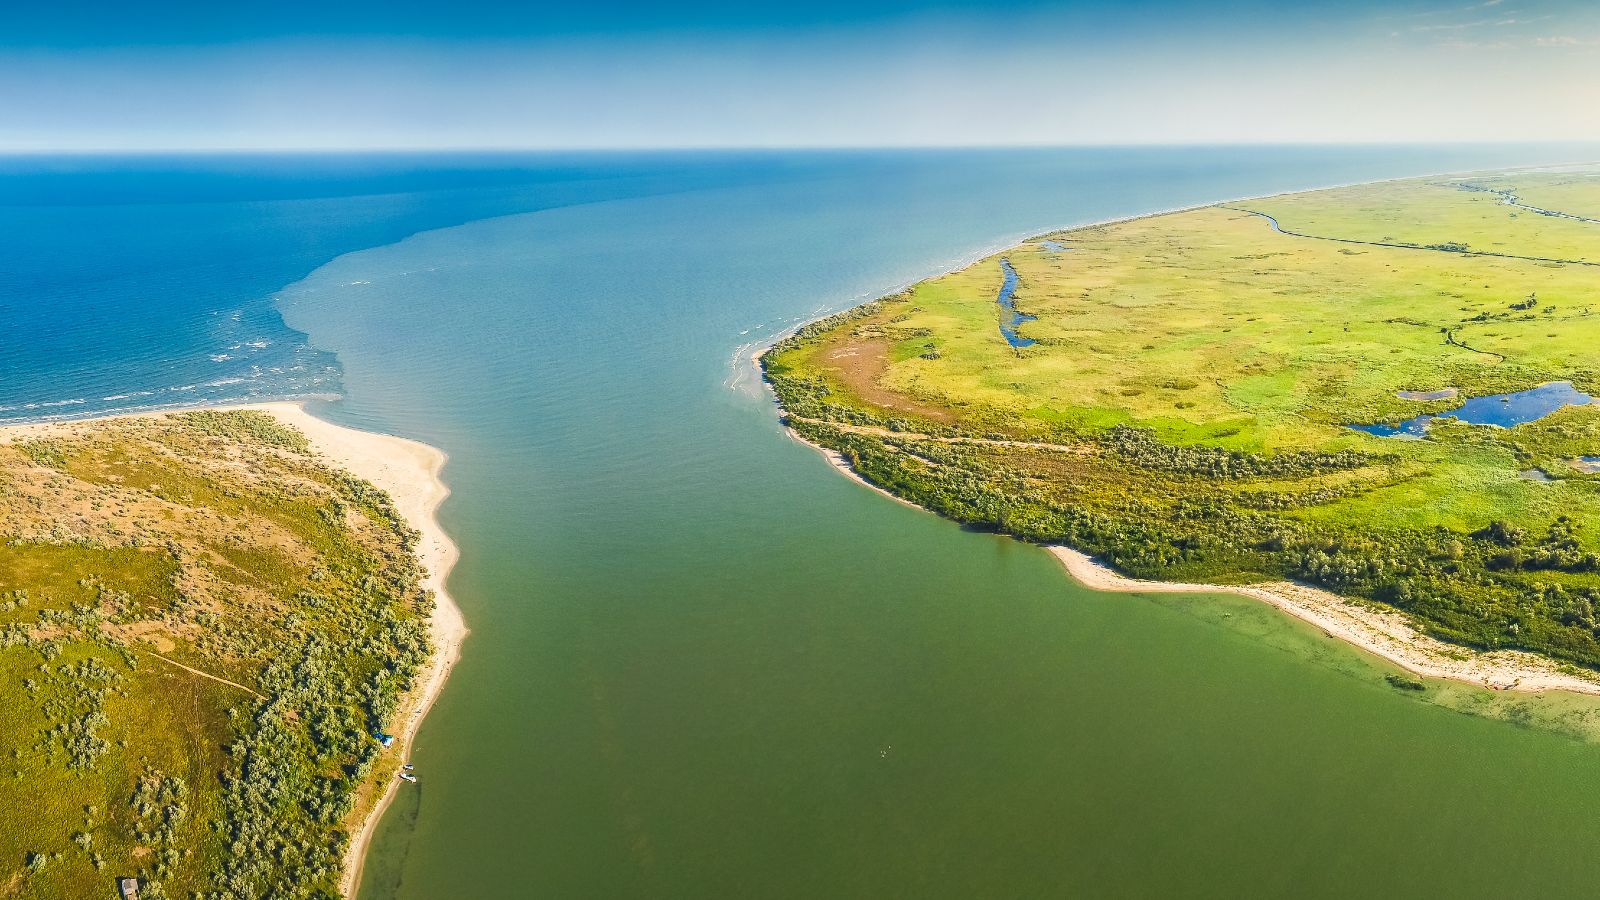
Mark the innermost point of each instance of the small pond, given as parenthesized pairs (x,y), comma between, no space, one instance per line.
(1009,317)
(1503,410)
(1055,246)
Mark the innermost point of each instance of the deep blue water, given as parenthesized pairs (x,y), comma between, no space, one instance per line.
(132,282)
(1501,410)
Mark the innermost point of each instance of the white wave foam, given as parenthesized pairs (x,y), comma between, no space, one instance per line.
(50,404)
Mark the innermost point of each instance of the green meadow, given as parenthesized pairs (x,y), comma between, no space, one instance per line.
(141,556)
(1186,397)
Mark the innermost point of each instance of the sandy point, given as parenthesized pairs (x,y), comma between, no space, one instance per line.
(1385,633)
(409,472)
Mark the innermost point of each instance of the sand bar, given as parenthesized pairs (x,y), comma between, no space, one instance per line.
(1385,633)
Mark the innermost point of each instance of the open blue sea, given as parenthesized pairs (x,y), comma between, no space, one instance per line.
(702,664)
(149,281)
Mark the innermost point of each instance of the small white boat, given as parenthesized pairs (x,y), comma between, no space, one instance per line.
(408,767)
(409,777)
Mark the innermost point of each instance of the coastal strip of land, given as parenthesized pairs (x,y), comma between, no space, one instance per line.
(1184,409)
(1385,634)
(409,472)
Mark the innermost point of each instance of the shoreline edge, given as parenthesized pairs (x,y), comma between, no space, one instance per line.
(1387,635)
(410,473)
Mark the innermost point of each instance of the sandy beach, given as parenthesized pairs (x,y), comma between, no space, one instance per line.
(409,472)
(1386,634)
(1383,633)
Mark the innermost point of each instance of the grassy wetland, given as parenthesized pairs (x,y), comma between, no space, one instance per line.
(202,624)
(1181,400)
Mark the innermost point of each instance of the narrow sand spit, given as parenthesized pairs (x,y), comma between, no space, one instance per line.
(1386,634)
(408,471)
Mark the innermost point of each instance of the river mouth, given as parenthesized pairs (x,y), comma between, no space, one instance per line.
(1498,410)
(1009,317)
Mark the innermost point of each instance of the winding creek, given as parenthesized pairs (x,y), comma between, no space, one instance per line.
(1010,318)
(1272,222)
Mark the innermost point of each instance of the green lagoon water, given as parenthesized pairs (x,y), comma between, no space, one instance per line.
(704,665)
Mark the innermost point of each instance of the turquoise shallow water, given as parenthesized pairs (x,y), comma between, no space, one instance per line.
(704,665)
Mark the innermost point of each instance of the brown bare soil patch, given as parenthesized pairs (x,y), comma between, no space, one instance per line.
(859,364)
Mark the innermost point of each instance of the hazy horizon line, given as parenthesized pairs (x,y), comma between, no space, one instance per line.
(667,148)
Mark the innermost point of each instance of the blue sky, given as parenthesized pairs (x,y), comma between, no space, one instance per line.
(463,74)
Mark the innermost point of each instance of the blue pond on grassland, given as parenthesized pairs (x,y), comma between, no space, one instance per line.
(1502,410)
